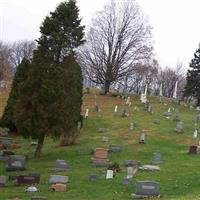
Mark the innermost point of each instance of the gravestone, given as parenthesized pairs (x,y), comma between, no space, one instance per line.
(93,177)
(86,113)
(157,158)
(104,139)
(27,180)
(152,168)
(15,162)
(142,137)
(2,181)
(176,117)
(195,134)
(179,127)
(131,163)
(131,172)
(39,198)
(59,187)
(115,110)
(193,149)
(133,125)
(114,148)
(58,179)
(100,157)
(146,189)
(167,114)
(61,165)
(128,100)
(126,181)
(109,174)
(150,109)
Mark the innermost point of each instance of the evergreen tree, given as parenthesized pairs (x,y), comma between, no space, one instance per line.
(50,103)
(19,79)
(61,31)
(193,77)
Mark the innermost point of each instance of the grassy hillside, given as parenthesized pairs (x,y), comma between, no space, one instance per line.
(179,177)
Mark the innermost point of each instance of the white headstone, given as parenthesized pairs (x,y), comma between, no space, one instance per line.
(128,101)
(109,174)
(86,113)
(195,134)
(175,91)
(116,108)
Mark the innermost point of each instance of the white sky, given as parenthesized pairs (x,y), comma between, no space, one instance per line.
(176,30)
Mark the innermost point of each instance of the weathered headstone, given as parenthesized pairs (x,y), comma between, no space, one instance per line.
(58,179)
(2,181)
(16,162)
(128,100)
(86,113)
(133,125)
(61,165)
(131,172)
(195,134)
(146,189)
(157,158)
(150,109)
(104,139)
(114,148)
(167,114)
(109,174)
(115,110)
(142,137)
(152,168)
(179,127)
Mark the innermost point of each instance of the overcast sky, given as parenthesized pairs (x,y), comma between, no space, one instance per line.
(176,30)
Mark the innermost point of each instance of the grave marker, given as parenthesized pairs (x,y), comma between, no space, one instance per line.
(61,165)
(146,189)
(16,162)
(109,174)
(58,179)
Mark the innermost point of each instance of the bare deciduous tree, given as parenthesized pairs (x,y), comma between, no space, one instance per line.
(21,49)
(119,39)
(4,61)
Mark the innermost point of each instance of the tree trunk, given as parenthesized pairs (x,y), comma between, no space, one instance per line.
(68,139)
(106,87)
(39,146)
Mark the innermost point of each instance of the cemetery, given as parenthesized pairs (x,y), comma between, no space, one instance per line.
(87,111)
(154,161)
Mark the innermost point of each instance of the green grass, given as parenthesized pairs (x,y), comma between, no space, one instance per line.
(179,177)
